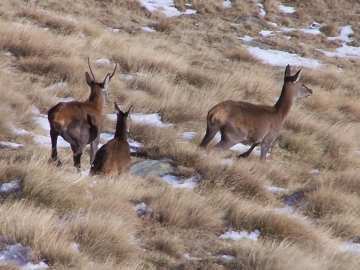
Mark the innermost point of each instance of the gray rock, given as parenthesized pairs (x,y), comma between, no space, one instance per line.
(155,168)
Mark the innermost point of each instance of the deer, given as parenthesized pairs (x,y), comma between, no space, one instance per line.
(114,157)
(247,123)
(80,122)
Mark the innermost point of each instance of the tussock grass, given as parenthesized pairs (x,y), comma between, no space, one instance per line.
(101,236)
(327,200)
(26,41)
(181,209)
(37,228)
(269,256)
(57,24)
(187,66)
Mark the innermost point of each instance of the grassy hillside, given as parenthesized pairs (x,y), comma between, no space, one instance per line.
(181,70)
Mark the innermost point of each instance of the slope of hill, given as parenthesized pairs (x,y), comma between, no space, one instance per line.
(177,59)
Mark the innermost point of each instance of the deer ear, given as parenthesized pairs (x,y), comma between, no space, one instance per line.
(297,76)
(118,109)
(130,110)
(106,81)
(89,80)
(287,71)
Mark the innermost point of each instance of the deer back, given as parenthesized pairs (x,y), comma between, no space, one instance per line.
(114,156)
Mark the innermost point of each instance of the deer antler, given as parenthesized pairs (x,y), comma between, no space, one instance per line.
(91,69)
(113,71)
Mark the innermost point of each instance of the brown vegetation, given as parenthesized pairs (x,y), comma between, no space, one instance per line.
(181,71)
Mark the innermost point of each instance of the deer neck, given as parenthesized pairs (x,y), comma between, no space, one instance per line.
(97,98)
(121,130)
(286,100)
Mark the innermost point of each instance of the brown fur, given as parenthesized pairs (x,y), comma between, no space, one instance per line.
(80,123)
(114,157)
(243,122)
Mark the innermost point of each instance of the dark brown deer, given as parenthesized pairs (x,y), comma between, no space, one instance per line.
(114,156)
(80,122)
(247,123)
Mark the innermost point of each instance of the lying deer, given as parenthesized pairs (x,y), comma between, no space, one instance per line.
(80,122)
(114,156)
(247,123)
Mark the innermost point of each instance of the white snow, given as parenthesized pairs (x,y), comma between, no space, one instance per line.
(280,58)
(189,257)
(189,135)
(142,208)
(19,256)
(227,257)
(246,38)
(275,189)
(20,131)
(148,29)
(32,266)
(177,181)
(314,171)
(66,99)
(227,4)
(75,247)
(240,148)
(144,119)
(236,235)
(9,187)
(266,33)
(262,11)
(166,6)
(56,86)
(286,9)
(10,145)
(351,246)
(345,50)
(35,110)
(103,61)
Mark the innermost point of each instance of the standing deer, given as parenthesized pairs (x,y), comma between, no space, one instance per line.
(114,156)
(80,122)
(242,122)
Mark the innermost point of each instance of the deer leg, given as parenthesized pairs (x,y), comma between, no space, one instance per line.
(229,137)
(93,149)
(210,133)
(54,155)
(77,151)
(247,153)
(265,147)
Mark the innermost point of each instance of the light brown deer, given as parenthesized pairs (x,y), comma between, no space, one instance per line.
(80,122)
(114,156)
(247,123)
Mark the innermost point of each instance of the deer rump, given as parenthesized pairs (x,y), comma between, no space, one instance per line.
(242,122)
(74,122)
(107,159)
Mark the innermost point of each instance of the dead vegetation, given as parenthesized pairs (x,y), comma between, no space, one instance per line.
(180,71)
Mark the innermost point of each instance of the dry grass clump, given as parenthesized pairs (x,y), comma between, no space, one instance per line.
(57,24)
(161,240)
(26,41)
(269,255)
(38,228)
(330,29)
(181,209)
(344,226)
(56,68)
(102,236)
(239,54)
(241,178)
(328,200)
(59,188)
(182,70)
